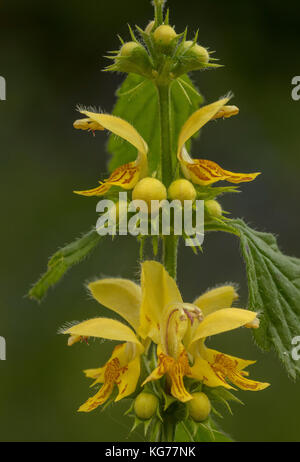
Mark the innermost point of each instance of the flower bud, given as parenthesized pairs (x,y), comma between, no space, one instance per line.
(199,407)
(133,58)
(164,35)
(149,189)
(128,48)
(196,51)
(145,405)
(182,190)
(193,57)
(213,208)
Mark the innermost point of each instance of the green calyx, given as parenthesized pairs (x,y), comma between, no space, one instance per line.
(160,54)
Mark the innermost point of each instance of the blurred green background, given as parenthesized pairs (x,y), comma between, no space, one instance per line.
(51,57)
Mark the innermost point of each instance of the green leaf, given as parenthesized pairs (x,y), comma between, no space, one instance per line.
(274,292)
(62,260)
(138,104)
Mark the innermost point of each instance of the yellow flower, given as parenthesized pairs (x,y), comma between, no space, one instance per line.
(211,366)
(199,171)
(142,308)
(131,302)
(202,171)
(129,174)
(156,311)
(183,328)
(123,368)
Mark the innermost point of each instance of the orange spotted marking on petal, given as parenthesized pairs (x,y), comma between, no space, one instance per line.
(205,172)
(126,176)
(176,370)
(99,191)
(111,376)
(226,367)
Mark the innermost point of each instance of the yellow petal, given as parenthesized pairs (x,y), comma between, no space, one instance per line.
(99,398)
(216,299)
(205,172)
(126,176)
(98,191)
(197,120)
(159,290)
(120,295)
(120,128)
(156,374)
(223,321)
(239,363)
(111,375)
(173,327)
(123,353)
(176,370)
(231,368)
(104,328)
(129,378)
(247,384)
(202,370)
(120,370)
(96,374)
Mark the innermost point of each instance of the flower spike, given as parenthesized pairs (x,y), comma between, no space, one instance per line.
(155,310)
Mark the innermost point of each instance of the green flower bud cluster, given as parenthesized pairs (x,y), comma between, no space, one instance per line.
(161,54)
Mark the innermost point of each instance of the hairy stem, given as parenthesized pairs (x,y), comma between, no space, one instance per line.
(170,243)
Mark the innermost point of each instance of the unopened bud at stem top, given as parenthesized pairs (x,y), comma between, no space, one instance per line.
(164,35)
(128,48)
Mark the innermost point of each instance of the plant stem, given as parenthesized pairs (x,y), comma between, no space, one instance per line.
(164,98)
(168,430)
(170,243)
